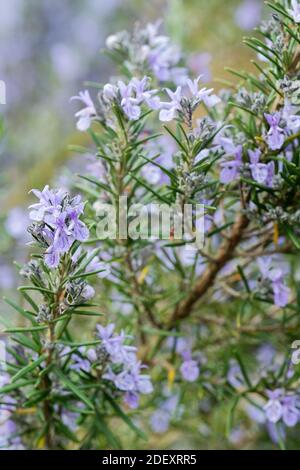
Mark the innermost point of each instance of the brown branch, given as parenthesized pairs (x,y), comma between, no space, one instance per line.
(225,253)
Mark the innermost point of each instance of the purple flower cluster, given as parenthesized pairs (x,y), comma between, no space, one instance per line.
(275,136)
(274,276)
(123,368)
(282,406)
(79,359)
(118,363)
(230,168)
(58,224)
(132,96)
(263,173)
(162,56)
(281,124)
(178,100)
(147,48)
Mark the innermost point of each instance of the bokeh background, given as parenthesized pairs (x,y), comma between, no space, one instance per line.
(48,49)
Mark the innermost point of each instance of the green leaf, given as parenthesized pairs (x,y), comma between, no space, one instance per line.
(103,428)
(88,274)
(97,183)
(35,397)
(279,9)
(30,301)
(78,345)
(90,313)
(25,341)
(230,418)
(84,265)
(243,370)
(238,74)
(171,175)
(271,84)
(62,326)
(92,192)
(142,183)
(124,417)
(264,46)
(119,116)
(23,330)
(261,51)
(183,148)
(74,389)
(67,432)
(19,359)
(22,311)
(243,108)
(13,386)
(293,237)
(144,141)
(38,289)
(30,367)
(78,149)
(241,272)
(219,229)
(258,185)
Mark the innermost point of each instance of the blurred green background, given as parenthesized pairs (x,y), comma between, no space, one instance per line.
(48,49)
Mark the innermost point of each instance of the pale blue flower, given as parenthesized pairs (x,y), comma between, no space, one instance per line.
(59,223)
(275,276)
(135,94)
(230,168)
(295,11)
(160,421)
(189,370)
(131,399)
(123,369)
(50,202)
(275,136)
(169,109)
(282,406)
(234,375)
(87,114)
(273,408)
(261,172)
(129,104)
(203,94)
